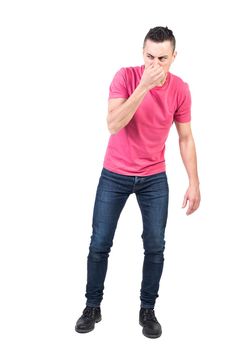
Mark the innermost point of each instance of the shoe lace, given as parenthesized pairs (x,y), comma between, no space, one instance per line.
(149,315)
(87,312)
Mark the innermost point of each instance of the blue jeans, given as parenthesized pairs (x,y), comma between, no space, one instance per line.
(112,193)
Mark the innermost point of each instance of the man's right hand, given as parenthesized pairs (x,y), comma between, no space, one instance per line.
(152,76)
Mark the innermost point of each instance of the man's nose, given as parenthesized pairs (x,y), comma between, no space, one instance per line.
(157,61)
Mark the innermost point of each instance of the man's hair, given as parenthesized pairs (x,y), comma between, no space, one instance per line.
(160,34)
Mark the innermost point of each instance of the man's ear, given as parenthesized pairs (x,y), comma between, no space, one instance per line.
(174,55)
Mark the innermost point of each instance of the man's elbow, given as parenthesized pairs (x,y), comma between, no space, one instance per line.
(111,130)
(111,127)
(186,138)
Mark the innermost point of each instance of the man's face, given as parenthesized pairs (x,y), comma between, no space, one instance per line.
(159,52)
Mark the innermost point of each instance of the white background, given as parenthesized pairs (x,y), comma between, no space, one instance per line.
(57,61)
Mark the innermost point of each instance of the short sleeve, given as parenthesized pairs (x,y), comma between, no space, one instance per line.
(118,86)
(183,111)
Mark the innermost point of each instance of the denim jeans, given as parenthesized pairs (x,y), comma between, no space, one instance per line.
(112,192)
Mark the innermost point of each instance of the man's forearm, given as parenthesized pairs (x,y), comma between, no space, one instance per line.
(121,116)
(189,157)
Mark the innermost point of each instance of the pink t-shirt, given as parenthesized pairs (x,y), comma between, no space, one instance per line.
(139,147)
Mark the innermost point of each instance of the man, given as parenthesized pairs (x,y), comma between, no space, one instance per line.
(144,101)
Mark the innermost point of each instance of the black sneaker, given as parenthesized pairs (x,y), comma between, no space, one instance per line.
(87,321)
(150,324)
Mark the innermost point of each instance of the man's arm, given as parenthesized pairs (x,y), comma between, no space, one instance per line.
(188,155)
(121,111)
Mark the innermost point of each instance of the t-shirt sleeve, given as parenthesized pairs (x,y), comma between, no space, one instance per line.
(118,86)
(183,111)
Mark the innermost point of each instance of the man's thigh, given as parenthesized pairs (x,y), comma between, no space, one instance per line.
(111,196)
(153,198)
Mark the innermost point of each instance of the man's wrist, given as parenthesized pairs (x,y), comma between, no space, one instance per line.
(142,88)
(194,182)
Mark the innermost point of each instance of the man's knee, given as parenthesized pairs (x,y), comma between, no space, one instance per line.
(155,256)
(99,252)
(155,251)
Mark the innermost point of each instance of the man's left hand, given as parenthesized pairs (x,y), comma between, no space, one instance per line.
(193,197)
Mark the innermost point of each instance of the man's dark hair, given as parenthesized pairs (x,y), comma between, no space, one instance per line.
(160,34)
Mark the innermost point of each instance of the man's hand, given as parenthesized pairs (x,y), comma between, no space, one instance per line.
(152,76)
(193,197)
